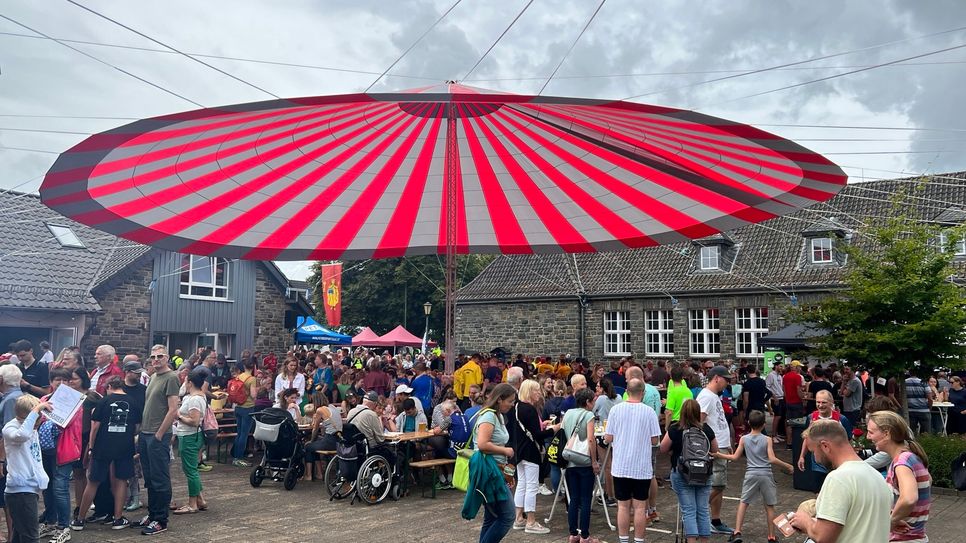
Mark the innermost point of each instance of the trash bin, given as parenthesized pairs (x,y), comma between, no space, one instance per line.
(808,480)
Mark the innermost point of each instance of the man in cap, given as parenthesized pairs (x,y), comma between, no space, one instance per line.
(712,413)
(404,392)
(368,422)
(134,388)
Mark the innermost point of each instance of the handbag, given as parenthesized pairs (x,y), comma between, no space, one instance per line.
(209,423)
(461,472)
(555,449)
(958,472)
(577,451)
(527,432)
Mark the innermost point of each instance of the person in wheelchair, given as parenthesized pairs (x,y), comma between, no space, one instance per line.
(368,422)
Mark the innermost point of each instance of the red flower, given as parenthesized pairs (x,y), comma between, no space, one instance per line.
(857,432)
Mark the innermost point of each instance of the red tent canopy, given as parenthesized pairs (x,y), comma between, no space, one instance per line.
(398,337)
(366,337)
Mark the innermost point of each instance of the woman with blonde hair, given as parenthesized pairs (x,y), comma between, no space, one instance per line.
(530,433)
(908,476)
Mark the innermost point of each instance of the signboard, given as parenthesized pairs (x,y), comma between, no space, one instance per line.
(772,357)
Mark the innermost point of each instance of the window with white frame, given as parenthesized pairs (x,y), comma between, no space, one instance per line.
(705,336)
(659,332)
(958,245)
(821,250)
(204,277)
(750,324)
(617,333)
(710,256)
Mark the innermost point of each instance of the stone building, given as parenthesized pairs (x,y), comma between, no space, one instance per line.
(68,284)
(708,298)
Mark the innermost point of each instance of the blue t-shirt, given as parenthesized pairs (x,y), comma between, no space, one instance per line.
(423,390)
(471,412)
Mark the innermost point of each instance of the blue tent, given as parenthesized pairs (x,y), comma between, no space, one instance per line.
(312,333)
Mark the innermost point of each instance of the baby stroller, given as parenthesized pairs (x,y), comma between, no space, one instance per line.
(284,458)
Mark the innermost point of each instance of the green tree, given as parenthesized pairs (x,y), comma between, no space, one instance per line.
(901,306)
(382,294)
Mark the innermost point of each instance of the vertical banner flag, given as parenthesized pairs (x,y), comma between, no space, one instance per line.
(332,293)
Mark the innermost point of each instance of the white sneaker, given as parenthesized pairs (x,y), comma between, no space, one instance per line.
(62,537)
(544,490)
(536,528)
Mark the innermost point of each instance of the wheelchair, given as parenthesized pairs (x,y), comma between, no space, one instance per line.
(367,476)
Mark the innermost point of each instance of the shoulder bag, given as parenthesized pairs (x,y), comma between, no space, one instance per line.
(577,451)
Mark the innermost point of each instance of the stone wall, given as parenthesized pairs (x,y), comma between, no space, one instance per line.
(532,327)
(270,305)
(552,327)
(125,319)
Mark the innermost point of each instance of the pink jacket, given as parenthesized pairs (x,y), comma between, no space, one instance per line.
(71,439)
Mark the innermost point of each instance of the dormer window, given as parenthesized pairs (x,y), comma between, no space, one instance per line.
(710,257)
(714,254)
(821,250)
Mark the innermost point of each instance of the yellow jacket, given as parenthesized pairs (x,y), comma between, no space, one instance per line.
(469,374)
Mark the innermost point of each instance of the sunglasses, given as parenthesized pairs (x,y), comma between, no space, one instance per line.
(157,356)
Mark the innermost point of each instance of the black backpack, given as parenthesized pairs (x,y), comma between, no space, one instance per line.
(694,464)
(347,448)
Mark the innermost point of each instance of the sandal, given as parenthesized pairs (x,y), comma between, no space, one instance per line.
(174,506)
(203,506)
(184,510)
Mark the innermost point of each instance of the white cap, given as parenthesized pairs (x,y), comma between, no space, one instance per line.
(403,389)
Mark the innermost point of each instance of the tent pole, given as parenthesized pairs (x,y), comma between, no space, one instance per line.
(452,223)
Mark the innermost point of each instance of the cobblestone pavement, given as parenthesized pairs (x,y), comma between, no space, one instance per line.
(239,513)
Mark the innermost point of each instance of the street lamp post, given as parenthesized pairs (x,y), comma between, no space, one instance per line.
(427,309)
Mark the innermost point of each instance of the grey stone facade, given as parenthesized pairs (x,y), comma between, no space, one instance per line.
(124,321)
(545,327)
(552,327)
(270,333)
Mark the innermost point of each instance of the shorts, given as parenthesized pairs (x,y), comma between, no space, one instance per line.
(101,469)
(627,489)
(794,411)
(759,484)
(719,474)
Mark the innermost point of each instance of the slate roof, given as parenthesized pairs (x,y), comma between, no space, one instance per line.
(769,256)
(36,272)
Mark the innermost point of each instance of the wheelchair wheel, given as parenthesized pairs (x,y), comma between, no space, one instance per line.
(337,486)
(374,480)
(256,477)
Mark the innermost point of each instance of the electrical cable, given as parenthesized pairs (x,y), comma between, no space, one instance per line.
(571,48)
(218,57)
(104,62)
(806,61)
(410,48)
(843,74)
(162,44)
(505,30)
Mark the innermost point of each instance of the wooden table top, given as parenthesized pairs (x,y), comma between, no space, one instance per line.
(408,436)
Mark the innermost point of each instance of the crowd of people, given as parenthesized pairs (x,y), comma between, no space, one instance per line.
(609,422)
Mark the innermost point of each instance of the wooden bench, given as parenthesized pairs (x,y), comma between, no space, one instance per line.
(433,465)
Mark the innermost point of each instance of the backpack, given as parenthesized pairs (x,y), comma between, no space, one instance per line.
(459,433)
(347,448)
(237,394)
(694,464)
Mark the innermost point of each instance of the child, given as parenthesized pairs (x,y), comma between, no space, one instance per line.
(289,400)
(25,474)
(759,481)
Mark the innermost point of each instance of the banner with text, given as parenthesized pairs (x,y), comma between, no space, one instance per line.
(332,293)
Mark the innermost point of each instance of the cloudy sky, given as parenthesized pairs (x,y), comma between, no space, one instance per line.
(694,55)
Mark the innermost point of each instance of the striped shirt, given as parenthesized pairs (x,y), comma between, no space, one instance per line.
(918,395)
(632,424)
(920,512)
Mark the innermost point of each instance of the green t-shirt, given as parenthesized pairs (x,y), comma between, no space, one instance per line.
(676,394)
(160,387)
(500,434)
